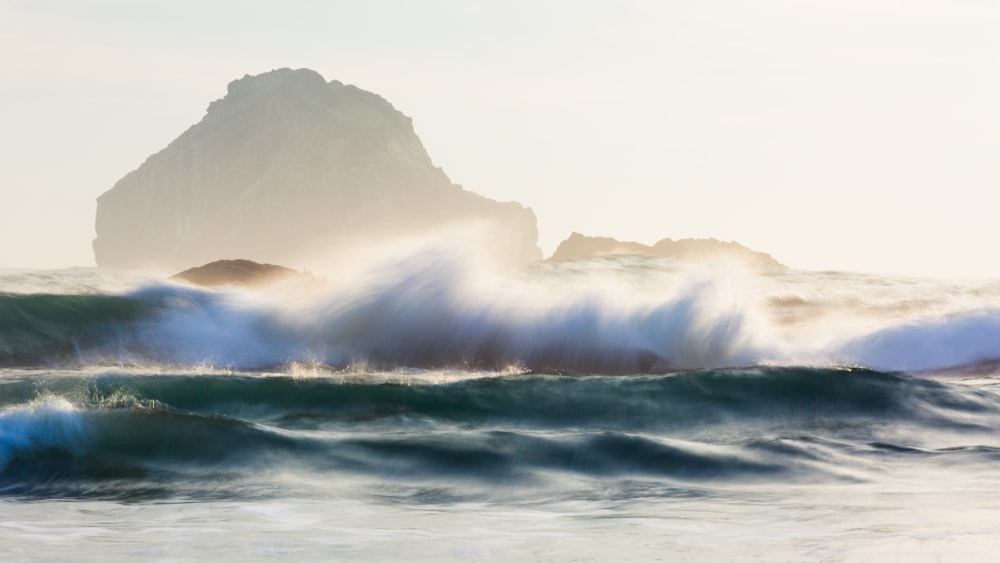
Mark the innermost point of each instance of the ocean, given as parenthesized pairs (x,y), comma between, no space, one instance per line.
(429,407)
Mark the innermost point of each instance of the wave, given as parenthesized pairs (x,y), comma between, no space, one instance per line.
(42,424)
(434,311)
(687,399)
(140,436)
(967,339)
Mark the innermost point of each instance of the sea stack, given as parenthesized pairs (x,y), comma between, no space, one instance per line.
(287,166)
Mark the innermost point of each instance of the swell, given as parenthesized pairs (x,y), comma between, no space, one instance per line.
(639,402)
(135,453)
(149,436)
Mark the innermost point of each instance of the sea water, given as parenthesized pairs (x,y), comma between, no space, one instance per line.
(614,409)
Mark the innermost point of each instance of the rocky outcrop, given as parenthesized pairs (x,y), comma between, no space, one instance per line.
(581,247)
(284,167)
(238,272)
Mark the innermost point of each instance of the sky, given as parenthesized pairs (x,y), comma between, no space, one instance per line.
(853,134)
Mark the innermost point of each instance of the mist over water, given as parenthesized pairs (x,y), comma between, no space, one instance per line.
(429,402)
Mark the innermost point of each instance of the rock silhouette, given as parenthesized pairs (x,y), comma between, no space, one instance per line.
(581,247)
(287,166)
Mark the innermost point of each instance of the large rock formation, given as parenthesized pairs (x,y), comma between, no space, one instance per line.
(581,247)
(284,167)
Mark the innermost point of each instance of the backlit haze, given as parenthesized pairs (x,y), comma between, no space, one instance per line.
(857,135)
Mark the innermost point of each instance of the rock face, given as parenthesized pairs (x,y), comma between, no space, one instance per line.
(285,166)
(581,247)
(237,272)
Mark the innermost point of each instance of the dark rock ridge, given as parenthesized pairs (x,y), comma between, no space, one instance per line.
(286,166)
(581,247)
(238,272)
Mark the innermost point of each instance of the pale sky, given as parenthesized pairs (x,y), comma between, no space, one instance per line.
(848,134)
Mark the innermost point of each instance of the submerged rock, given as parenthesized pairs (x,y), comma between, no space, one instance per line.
(283,168)
(581,247)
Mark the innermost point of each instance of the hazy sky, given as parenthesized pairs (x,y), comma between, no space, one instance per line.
(848,134)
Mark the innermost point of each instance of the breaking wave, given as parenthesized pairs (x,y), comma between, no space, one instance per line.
(433,311)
